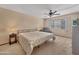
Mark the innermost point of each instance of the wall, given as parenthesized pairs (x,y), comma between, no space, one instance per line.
(11,21)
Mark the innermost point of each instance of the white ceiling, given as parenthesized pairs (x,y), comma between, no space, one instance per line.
(39,9)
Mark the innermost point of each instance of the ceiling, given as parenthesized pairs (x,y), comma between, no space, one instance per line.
(38,10)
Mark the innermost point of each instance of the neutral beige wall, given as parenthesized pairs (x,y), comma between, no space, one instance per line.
(10,19)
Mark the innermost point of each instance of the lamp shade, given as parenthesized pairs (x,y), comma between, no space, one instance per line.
(12,30)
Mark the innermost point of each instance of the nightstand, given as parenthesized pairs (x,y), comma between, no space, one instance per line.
(12,38)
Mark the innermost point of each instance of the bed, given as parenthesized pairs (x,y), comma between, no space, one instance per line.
(29,40)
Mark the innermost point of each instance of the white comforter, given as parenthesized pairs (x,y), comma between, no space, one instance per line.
(30,40)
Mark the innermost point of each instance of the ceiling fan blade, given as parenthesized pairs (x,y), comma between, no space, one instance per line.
(56,14)
(54,11)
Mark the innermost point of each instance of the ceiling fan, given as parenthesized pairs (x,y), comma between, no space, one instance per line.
(52,13)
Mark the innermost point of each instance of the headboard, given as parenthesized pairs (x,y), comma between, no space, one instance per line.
(26,30)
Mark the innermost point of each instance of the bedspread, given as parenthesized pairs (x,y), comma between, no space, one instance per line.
(30,40)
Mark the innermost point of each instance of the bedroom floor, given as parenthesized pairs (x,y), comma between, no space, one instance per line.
(61,46)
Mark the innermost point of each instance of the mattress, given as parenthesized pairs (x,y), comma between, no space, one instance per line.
(30,40)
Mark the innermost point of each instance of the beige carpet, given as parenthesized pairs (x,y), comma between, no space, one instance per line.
(61,46)
(14,49)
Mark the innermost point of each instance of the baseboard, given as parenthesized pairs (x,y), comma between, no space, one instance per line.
(4,43)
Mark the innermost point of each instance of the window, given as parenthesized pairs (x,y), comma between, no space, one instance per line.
(61,23)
